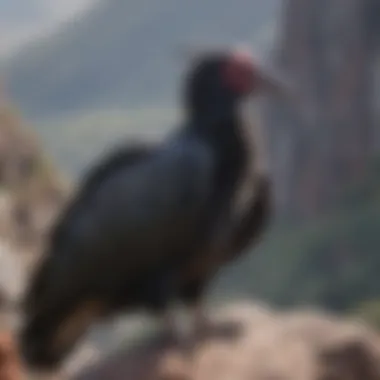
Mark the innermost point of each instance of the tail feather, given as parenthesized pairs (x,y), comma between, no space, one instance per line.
(36,290)
(50,335)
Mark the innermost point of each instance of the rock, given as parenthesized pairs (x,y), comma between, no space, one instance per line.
(270,346)
(10,367)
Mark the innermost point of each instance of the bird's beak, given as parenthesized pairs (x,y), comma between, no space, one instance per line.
(277,84)
(273,82)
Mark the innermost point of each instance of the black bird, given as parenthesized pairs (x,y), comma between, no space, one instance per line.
(150,225)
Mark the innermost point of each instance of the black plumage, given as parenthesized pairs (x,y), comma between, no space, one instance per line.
(152,224)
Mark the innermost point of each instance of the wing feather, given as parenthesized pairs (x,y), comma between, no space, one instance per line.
(134,221)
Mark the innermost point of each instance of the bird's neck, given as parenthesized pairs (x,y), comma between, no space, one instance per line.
(222,132)
(215,125)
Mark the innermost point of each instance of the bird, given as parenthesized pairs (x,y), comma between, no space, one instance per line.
(153,224)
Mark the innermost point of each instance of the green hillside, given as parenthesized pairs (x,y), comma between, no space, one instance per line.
(76,141)
(332,261)
(125,53)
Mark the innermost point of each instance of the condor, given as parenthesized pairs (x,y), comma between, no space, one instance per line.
(150,225)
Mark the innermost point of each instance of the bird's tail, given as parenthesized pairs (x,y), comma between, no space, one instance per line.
(36,288)
(49,335)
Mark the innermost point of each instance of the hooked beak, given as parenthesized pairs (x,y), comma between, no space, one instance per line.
(272,81)
(275,83)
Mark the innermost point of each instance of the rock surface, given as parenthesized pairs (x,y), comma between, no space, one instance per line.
(266,345)
(10,368)
(262,345)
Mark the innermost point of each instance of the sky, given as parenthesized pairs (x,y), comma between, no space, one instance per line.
(23,20)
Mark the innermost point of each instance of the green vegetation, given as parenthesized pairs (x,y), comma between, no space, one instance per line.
(331,261)
(75,142)
(369,311)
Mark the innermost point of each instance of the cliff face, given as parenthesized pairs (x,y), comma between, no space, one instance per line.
(330,50)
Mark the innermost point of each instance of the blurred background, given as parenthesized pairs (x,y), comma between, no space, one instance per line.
(76,76)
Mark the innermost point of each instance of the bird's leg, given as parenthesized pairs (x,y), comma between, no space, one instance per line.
(178,361)
(201,323)
(170,324)
(183,336)
(192,295)
(203,326)
(165,305)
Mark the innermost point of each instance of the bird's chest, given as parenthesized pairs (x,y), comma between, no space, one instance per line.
(236,174)
(229,170)
(229,167)
(235,170)
(252,169)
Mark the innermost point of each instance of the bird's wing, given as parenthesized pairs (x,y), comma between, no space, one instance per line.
(255,220)
(235,236)
(139,218)
(166,191)
(122,157)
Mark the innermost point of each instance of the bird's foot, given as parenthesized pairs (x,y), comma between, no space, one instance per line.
(205,328)
(174,332)
(170,329)
(202,325)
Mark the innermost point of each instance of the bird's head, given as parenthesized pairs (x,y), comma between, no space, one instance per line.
(222,78)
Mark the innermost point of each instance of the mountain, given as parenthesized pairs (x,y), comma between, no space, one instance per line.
(125,52)
(76,142)
(23,21)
